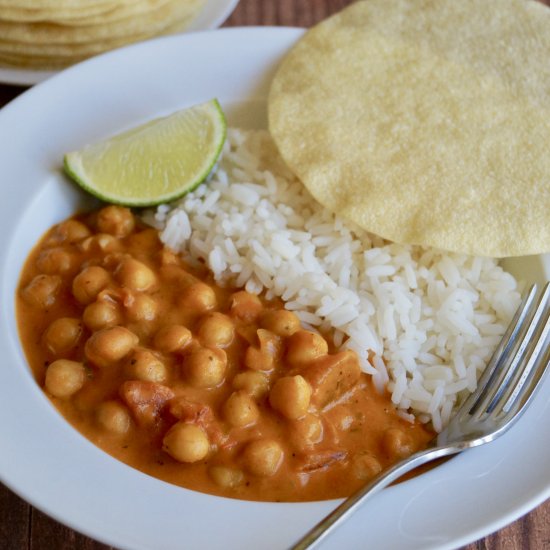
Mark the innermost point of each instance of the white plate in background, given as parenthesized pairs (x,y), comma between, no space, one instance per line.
(52,466)
(212,15)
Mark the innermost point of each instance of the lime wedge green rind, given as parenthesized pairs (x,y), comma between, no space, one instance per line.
(154,163)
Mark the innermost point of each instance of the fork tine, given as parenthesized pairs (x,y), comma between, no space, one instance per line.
(520,399)
(529,343)
(494,367)
(511,361)
(535,363)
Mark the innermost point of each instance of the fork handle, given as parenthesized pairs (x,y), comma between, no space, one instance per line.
(350,505)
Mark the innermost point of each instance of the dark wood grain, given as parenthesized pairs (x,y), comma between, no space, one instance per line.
(7,93)
(15,518)
(47,534)
(22,527)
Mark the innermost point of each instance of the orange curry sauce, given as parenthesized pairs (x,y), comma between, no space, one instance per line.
(205,387)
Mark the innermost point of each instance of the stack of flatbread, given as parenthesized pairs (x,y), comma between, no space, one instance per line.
(49,34)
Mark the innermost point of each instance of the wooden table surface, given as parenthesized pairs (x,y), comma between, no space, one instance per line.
(24,527)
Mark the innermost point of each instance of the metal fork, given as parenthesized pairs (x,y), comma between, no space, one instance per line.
(504,391)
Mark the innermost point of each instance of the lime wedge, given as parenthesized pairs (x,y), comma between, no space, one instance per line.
(153,163)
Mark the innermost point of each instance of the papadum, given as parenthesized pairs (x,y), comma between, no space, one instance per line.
(425,121)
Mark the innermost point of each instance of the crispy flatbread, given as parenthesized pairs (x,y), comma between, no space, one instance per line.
(60,38)
(425,121)
(158,15)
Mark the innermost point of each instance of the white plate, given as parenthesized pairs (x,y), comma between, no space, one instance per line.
(212,15)
(49,464)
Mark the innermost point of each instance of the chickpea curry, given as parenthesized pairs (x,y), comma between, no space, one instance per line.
(209,388)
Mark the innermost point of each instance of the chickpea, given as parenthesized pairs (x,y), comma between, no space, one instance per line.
(240,410)
(42,291)
(263,457)
(101,314)
(226,477)
(172,338)
(198,297)
(205,368)
(115,220)
(307,431)
(281,321)
(54,260)
(216,330)
(305,346)
(245,306)
(365,466)
(142,308)
(62,335)
(135,275)
(145,365)
(89,283)
(186,442)
(102,242)
(71,231)
(263,358)
(257,360)
(270,343)
(64,378)
(110,345)
(290,396)
(397,443)
(253,382)
(113,417)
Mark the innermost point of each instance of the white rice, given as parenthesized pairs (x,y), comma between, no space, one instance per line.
(431,318)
